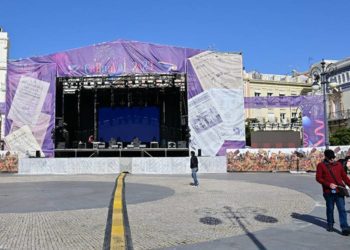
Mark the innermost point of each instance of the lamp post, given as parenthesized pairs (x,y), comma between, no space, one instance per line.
(321,76)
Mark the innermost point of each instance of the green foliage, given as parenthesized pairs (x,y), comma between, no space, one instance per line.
(340,137)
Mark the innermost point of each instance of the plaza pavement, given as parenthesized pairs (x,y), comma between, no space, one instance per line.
(227,211)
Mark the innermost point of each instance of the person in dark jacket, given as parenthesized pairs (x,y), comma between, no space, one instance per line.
(194,168)
(331,188)
(345,163)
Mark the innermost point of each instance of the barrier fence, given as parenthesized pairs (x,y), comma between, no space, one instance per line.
(8,162)
(279,159)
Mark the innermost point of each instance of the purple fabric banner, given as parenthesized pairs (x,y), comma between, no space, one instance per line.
(2,108)
(106,59)
(313,121)
(272,102)
(41,71)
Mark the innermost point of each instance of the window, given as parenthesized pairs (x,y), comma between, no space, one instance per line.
(282,95)
(294,114)
(257,94)
(271,117)
(283,117)
(339,79)
(343,76)
(347,76)
(269,94)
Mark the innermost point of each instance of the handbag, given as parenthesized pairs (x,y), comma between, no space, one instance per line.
(343,191)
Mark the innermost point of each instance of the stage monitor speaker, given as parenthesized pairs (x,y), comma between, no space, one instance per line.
(37,154)
(154,144)
(199,152)
(95,145)
(61,145)
(171,144)
(181,144)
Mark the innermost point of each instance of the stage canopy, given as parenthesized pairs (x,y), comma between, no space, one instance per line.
(214,85)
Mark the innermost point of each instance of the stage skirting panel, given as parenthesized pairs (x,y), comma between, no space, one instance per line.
(154,165)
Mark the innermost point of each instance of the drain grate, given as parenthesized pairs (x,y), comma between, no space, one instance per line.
(210,220)
(265,218)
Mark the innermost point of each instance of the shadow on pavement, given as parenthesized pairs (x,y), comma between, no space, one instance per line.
(313,220)
(232,216)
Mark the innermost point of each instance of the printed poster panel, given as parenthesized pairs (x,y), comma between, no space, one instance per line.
(218,70)
(23,142)
(39,130)
(215,116)
(28,101)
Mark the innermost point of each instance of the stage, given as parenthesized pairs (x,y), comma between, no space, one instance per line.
(128,116)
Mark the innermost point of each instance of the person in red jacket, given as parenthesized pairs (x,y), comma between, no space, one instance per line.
(331,189)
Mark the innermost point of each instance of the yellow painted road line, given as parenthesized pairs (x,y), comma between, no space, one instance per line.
(118,240)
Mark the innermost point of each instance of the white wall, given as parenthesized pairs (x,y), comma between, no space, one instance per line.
(3,71)
(139,165)
(3,63)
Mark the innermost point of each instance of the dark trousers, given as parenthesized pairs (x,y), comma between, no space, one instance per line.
(194,176)
(340,203)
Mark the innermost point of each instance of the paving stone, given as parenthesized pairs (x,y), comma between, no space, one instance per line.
(175,220)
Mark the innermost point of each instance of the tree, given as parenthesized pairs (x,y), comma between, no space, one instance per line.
(340,137)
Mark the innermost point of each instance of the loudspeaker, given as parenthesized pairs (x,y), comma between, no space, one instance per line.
(37,154)
(181,144)
(199,152)
(171,144)
(62,145)
(154,144)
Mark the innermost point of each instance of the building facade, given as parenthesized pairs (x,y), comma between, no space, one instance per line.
(257,84)
(339,99)
(4,44)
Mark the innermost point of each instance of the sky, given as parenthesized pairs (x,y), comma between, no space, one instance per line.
(274,36)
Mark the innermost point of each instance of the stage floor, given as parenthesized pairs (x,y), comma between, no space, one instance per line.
(122,152)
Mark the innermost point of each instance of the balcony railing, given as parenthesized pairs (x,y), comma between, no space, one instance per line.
(296,126)
(339,115)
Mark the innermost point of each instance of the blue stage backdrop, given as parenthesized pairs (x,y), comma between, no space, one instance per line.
(127,123)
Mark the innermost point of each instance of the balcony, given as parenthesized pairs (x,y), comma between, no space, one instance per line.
(339,115)
(268,126)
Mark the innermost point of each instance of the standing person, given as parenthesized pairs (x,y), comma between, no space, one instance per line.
(194,168)
(345,163)
(91,140)
(330,174)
